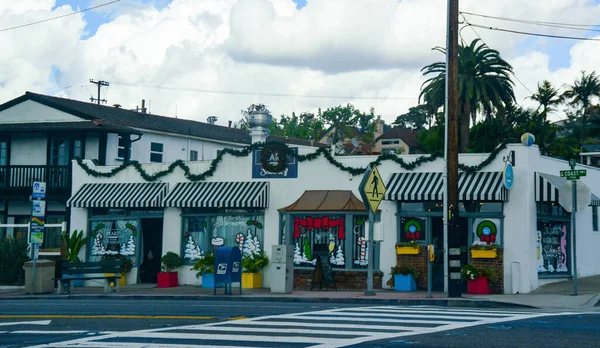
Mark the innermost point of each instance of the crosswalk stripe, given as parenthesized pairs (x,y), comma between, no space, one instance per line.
(374,320)
(436,309)
(217,337)
(479,314)
(275,330)
(383,315)
(320,325)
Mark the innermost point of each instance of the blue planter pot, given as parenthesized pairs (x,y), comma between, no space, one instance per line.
(208,280)
(76,283)
(404,283)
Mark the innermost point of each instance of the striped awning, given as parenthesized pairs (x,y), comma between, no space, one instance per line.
(479,186)
(547,187)
(119,195)
(244,194)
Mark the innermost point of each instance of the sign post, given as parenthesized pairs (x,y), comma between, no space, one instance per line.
(574,175)
(372,190)
(36,226)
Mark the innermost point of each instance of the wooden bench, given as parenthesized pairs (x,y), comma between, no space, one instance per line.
(76,271)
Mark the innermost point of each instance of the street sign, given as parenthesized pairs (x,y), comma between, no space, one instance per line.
(373,189)
(565,196)
(39,190)
(36,235)
(38,208)
(573,174)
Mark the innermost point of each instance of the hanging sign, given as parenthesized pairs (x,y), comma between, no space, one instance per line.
(508,176)
(290,172)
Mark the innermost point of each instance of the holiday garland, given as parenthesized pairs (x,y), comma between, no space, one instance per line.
(278,147)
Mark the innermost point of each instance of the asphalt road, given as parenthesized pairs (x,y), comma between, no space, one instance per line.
(136,323)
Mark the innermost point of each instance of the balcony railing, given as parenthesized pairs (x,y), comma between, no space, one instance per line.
(55,177)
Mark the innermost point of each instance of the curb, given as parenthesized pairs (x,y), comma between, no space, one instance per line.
(465,303)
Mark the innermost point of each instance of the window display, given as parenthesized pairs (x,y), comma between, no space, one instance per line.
(113,238)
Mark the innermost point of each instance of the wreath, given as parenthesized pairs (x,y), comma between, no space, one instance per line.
(280,151)
(486,231)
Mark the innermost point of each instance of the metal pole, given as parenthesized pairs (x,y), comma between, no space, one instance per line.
(370,291)
(35,256)
(429,271)
(573,235)
(445,170)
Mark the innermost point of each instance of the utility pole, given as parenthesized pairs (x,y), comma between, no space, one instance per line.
(100,84)
(452,254)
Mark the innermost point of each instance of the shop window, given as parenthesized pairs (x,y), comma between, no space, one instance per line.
(551,210)
(412,206)
(201,234)
(59,152)
(328,231)
(156,152)
(595,218)
(52,235)
(487,231)
(480,207)
(412,229)
(77,148)
(121,148)
(113,238)
(553,256)
(193,155)
(3,152)
(360,247)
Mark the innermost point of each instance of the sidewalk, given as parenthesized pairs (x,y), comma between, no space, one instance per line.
(550,297)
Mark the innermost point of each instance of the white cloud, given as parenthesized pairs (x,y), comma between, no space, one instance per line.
(359,48)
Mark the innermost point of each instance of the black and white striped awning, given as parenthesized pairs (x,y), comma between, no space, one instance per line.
(245,194)
(119,195)
(479,186)
(547,188)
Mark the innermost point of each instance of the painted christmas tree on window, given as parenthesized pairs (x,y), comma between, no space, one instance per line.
(192,250)
(97,247)
(129,248)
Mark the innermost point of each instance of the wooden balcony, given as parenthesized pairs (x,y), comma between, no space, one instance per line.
(21,178)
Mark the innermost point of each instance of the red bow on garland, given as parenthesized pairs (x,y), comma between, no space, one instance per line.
(319,223)
(488,239)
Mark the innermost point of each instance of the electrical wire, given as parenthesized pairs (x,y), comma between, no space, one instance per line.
(531,22)
(534,34)
(258,93)
(58,17)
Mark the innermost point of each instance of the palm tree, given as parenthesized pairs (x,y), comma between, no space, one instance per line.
(581,94)
(548,98)
(484,84)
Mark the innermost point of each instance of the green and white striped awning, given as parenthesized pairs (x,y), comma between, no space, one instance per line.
(119,195)
(547,188)
(479,186)
(242,194)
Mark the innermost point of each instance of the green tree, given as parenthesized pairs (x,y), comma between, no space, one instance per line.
(347,121)
(416,118)
(581,95)
(484,85)
(306,126)
(548,99)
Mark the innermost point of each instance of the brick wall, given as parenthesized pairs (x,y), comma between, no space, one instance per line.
(419,263)
(345,280)
(496,264)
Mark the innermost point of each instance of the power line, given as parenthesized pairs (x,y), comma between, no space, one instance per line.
(530,21)
(62,16)
(534,34)
(257,93)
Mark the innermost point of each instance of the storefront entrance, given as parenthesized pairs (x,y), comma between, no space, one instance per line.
(437,239)
(152,239)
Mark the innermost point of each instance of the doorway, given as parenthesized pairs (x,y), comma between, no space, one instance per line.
(437,239)
(152,239)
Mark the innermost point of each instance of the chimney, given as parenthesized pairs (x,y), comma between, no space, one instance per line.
(143,106)
(229,124)
(211,119)
(259,120)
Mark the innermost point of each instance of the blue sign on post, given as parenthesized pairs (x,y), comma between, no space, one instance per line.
(39,190)
(508,176)
(258,172)
(228,268)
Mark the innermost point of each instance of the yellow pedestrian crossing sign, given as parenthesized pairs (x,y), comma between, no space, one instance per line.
(372,189)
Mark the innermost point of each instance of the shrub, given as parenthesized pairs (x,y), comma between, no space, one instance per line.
(13,254)
(254,263)
(170,261)
(204,265)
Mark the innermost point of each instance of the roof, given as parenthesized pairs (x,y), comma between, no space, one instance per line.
(119,117)
(327,200)
(407,135)
(66,126)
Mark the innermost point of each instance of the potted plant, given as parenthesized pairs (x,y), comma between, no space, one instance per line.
(168,278)
(478,279)
(127,266)
(483,251)
(251,266)
(403,278)
(73,244)
(205,269)
(410,248)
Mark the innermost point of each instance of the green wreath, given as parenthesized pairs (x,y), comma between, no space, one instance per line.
(281,150)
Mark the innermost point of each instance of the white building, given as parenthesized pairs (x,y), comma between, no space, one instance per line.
(317,204)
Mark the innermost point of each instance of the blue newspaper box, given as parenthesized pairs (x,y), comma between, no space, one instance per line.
(228,268)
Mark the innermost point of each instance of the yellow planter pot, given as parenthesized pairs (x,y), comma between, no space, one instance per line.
(484,254)
(251,280)
(122,281)
(408,251)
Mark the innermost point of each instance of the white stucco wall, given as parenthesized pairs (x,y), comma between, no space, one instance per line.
(30,111)
(520,211)
(28,149)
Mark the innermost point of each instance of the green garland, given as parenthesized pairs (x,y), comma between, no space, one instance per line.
(325,152)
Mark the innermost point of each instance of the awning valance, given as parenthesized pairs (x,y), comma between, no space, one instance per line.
(243,194)
(119,195)
(327,200)
(547,187)
(479,186)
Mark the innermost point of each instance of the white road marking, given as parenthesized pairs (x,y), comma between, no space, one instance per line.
(42,332)
(37,322)
(301,328)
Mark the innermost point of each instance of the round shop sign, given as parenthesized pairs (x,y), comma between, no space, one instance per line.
(508,176)
(412,230)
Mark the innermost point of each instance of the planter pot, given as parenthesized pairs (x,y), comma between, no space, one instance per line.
(479,286)
(208,280)
(167,279)
(122,280)
(408,251)
(251,280)
(484,254)
(76,283)
(404,282)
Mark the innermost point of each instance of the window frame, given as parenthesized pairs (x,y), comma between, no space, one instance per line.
(193,155)
(594,218)
(4,146)
(156,152)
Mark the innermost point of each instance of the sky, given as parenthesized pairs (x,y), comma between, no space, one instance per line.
(196,58)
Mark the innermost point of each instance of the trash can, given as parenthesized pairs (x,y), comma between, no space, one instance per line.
(44,272)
